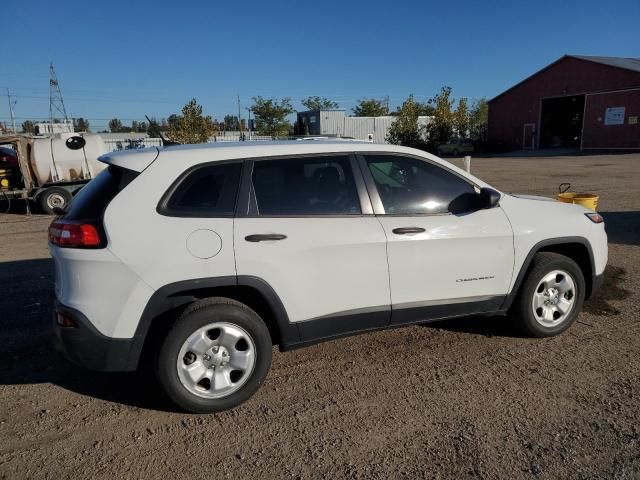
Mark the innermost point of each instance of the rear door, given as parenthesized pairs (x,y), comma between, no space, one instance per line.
(308,230)
(446,256)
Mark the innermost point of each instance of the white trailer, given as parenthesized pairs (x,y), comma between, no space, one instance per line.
(50,170)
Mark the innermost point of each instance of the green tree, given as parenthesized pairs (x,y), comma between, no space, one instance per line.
(479,119)
(371,107)
(154,129)
(115,125)
(441,126)
(271,115)
(28,127)
(424,109)
(319,103)
(461,118)
(81,125)
(405,129)
(192,126)
(231,122)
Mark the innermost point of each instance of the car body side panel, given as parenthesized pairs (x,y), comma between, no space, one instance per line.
(163,249)
(105,290)
(535,221)
(325,266)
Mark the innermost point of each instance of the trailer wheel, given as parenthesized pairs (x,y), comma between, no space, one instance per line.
(53,198)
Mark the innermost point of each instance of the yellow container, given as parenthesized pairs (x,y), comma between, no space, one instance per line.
(587,200)
(5,178)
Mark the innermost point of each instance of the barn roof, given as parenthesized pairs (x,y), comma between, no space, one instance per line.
(621,62)
(626,63)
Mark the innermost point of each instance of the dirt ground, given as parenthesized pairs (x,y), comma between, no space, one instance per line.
(468,398)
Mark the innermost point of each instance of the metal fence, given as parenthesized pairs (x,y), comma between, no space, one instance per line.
(131,143)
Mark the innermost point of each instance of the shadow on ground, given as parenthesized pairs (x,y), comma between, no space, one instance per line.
(622,228)
(27,351)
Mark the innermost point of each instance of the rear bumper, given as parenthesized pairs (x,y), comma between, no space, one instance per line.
(87,347)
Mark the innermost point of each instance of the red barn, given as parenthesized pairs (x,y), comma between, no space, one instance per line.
(586,103)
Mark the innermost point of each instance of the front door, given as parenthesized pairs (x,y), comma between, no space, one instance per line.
(309,235)
(446,256)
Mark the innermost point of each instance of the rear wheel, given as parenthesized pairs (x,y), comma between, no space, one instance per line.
(551,297)
(215,357)
(53,198)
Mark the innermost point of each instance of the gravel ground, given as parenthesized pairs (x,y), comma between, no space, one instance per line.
(467,398)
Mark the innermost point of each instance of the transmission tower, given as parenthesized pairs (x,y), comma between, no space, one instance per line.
(56,104)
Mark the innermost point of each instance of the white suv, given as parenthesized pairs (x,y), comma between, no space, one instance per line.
(200,258)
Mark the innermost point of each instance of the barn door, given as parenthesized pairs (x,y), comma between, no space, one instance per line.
(529,136)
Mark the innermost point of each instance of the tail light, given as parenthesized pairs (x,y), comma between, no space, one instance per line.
(74,235)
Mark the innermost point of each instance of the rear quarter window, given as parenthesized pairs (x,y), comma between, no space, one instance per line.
(206,191)
(92,200)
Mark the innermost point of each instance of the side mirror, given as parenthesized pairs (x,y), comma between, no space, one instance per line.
(75,143)
(490,197)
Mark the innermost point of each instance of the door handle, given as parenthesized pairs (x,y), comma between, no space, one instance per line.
(264,237)
(406,230)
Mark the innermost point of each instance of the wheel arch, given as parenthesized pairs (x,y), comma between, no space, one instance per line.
(576,248)
(167,302)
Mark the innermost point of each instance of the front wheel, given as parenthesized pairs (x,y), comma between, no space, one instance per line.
(215,357)
(551,297)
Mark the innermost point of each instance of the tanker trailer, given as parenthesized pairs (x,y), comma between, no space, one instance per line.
(53,169)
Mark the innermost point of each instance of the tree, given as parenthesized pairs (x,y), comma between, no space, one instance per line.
(81,125)
(192,126)
(478,120)
(155,129)
(115,125)
(405,129)
(231,122)
(28,127)
(461,118)
(371,107)
(441,127)
(271,115)
(319,103)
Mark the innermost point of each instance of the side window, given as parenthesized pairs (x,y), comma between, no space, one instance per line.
(322,185)
(411,186)
(208,191)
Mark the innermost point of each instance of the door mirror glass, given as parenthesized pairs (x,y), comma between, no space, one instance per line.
(490,197)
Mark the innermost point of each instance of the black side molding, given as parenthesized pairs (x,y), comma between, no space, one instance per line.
(529,258)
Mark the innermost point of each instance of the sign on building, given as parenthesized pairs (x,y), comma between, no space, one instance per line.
(614,116)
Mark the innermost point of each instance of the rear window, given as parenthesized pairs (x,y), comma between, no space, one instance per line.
(91,201)
(208,191)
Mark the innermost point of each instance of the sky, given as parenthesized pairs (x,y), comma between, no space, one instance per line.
(128,59)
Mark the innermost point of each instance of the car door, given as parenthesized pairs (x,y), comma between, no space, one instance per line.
(308,230)
(446,255)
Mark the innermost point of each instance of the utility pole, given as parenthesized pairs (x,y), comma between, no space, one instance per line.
(239,122)
(11,105)
(56,104)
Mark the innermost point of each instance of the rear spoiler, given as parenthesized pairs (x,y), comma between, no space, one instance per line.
(136,160)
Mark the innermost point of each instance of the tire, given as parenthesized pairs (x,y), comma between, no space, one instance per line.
(236,333)
(54,197)
(553,283)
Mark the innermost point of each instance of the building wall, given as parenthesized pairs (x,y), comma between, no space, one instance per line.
(331,122)
(569,76)
(598,135)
